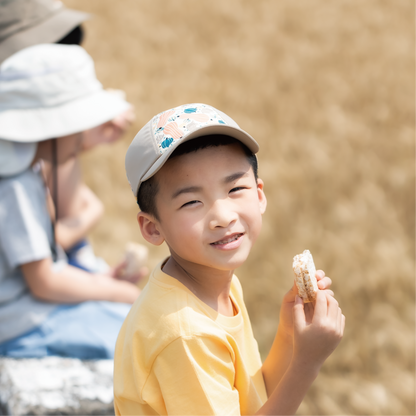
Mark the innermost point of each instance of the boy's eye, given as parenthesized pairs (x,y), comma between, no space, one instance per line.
(238,188)
(189,203)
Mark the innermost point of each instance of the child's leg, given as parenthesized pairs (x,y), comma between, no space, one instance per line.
(86,331)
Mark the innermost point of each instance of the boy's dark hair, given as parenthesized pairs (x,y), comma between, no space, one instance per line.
(146,197)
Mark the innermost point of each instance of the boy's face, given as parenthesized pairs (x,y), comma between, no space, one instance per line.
(210,207)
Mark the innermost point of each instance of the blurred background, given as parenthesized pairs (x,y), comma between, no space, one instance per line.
(328,91)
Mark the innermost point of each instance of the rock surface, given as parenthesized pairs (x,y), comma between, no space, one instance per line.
(55,385)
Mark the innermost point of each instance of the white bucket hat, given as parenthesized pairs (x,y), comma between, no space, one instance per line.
(24,23)
(157,140)
(49,91)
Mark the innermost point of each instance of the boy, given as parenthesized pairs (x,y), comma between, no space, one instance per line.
(186,346)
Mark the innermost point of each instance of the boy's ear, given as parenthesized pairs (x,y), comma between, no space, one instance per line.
(261,195)
(149,228)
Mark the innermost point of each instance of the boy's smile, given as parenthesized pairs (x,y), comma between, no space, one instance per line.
(210,208)
(230,242)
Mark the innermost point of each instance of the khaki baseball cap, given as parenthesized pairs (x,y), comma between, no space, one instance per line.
(156,141)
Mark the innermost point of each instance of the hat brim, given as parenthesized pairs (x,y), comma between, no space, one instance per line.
(50,30)
(234,132)
(38,124)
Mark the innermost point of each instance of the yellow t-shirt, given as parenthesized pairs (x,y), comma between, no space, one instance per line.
(176,355)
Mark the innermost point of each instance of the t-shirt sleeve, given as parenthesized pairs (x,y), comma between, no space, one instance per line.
(23,218)
(196,377)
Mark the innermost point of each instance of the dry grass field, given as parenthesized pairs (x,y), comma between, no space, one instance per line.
(328,90)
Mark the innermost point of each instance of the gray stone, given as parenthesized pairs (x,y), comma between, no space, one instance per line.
(56,386)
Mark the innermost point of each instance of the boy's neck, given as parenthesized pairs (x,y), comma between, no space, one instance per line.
(211,286)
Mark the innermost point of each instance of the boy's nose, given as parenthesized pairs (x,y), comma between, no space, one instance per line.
(221,215)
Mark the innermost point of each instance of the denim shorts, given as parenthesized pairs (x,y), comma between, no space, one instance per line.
(86,330)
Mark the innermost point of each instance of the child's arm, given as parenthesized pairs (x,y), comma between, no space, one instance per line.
(71,229)
(297,360)
(280,354)
(79,209)
(71,285)
(108,132)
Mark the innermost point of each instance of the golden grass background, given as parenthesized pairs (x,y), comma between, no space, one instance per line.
(328,90)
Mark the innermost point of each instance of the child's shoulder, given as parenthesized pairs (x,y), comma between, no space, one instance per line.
(165,305)
(24,192)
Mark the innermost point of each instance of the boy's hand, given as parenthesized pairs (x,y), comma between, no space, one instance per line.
(286,314)
(316,338)
(306,335)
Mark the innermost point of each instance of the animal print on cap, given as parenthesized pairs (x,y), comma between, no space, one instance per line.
(172,125)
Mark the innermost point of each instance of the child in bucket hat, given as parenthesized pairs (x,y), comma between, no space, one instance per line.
(49,96)
(29,22)
(186,346)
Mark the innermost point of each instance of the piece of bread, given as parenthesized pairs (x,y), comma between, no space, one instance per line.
(304,269)
(136,257)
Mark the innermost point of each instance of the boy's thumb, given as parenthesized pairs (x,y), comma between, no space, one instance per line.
(298,313)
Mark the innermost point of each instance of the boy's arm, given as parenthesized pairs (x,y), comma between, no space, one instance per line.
(313,342)
(71,285)
(278,360)
(280,354)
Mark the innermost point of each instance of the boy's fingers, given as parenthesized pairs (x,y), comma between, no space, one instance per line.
(342,324)
(298,313)
(341,321)
(319,274)
(321,306)
(309,311)
(295,288)
(329,292)
(324,283)
(333,307)
(291,294)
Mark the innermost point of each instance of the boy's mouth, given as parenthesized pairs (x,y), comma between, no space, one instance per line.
(227,240)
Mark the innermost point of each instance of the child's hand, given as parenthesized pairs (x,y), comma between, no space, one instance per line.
(286,314)
(316,336)
(108,132)
(305,337)
(118,272)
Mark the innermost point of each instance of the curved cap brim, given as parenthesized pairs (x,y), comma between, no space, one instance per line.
(137,160)
(234,132)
